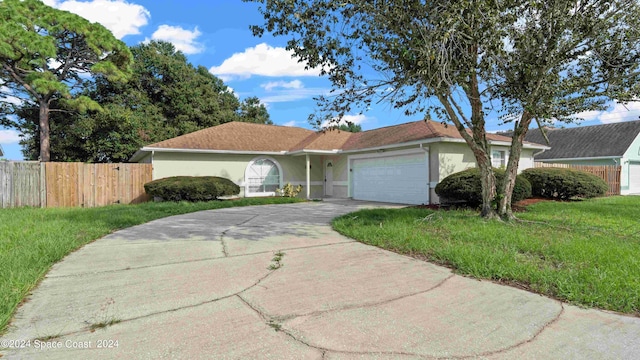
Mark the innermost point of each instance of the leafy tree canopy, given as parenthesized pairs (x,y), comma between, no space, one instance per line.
(350,127)
(166,97)
(522,60)
(44,55)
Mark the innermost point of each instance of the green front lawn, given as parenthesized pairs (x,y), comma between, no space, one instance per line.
(586,252)
(33,239)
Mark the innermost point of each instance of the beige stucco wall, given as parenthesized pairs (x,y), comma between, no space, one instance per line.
(294,168)
(233,167)
(449,158)
(444,160)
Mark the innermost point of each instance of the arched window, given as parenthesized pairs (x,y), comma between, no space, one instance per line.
(262,177)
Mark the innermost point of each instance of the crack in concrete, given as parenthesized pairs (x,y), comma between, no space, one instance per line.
(60,335)
(225,251)
(267,318)
(369,304)
(198,260)
(521,343)
(324,350)
(224,245)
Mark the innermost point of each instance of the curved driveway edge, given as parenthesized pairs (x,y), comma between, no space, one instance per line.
(276,282)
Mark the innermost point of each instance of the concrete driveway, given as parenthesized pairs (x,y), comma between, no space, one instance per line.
(211,285)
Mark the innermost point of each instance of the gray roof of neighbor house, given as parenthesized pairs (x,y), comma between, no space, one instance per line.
(608,140)
(250,137)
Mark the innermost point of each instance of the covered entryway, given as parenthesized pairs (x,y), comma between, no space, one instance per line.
(634,178)
(398,177)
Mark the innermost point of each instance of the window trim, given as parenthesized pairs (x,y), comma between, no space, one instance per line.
(247,193)
(506,157)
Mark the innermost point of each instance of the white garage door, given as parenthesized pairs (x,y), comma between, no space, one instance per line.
(402,179)
(634,178)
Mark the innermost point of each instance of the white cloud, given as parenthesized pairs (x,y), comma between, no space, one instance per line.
(7,96)
(183,39)
(261,60)
(355,119)
(290,123)
(616,113)
(119,16)
(9,137)
(293,95)
(293,84)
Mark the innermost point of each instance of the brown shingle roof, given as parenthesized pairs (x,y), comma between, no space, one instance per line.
(397,134)
(239,136)
(327,140)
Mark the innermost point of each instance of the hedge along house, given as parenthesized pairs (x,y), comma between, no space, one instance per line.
(399,164)
(608,144)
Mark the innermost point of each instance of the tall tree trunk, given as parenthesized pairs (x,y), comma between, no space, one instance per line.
(519,131)
(481,151)
(45,148)
(488,182)
(476,139)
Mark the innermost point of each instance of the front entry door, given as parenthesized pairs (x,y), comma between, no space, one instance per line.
(328,178)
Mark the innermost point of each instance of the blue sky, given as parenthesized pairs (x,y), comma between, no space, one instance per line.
(216,34)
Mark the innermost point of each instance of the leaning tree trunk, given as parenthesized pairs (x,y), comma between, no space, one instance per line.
(45,148)
(519,131)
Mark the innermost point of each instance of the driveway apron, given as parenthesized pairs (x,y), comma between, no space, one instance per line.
(276,282)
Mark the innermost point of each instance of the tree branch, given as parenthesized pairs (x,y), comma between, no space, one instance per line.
(17,78)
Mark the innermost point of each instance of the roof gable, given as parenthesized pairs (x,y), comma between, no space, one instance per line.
(587,141)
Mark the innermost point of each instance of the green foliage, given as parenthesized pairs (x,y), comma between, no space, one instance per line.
(166,97)
(191,188)
(252,110)
(562,183)
(44,51)
(350,127)
(465,187)
(289,190)
(51,234)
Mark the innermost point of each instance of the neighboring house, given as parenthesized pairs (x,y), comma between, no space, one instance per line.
(608,144)
(401,163)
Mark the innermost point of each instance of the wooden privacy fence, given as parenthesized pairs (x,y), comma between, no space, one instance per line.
(72,184)
(609,173)
(21,184)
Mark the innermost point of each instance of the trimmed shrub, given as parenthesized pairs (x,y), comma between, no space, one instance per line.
(465,186)
(561,183)
(191,188)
